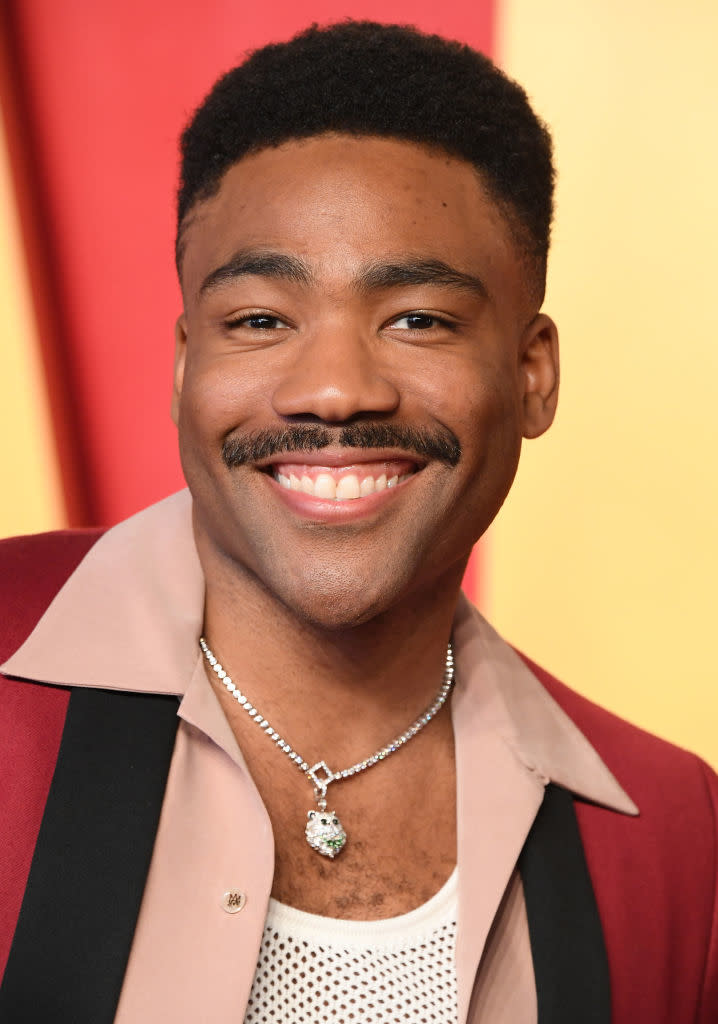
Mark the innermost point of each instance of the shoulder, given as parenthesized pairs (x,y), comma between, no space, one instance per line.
(59,547)
(656,773)
(654,875)
(32,570)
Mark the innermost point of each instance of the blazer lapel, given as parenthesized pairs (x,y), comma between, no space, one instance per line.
(93,852)
(567,946)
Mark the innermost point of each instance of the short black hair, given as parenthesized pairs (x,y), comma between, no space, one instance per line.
(367,79)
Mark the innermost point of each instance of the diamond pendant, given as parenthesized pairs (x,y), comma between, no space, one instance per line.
(324,830)
(324,833)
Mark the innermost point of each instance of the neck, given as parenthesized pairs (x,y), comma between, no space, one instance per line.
(356,685)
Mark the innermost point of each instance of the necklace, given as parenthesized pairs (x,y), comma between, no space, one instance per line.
(324,832)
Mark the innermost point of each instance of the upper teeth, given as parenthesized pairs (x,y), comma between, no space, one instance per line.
(345,489)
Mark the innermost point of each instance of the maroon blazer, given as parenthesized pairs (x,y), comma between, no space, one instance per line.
(654,876)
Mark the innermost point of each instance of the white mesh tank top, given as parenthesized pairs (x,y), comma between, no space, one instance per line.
(399,970)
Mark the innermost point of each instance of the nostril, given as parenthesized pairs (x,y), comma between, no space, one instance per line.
(334,395)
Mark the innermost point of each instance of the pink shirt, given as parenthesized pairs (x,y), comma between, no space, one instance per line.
(129,618)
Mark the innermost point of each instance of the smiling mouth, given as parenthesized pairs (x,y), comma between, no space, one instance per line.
(343,483)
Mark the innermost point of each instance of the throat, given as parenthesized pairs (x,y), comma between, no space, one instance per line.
(400,820)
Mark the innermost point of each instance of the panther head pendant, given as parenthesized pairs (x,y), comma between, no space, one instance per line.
(324,833)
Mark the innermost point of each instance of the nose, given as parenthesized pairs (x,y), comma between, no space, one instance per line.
(334,376)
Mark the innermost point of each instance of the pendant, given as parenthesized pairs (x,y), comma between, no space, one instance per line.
(324,830)
(324,833)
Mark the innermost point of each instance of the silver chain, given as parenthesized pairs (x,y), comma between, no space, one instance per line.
(320,782)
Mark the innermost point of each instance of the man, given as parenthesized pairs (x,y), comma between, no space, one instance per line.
(363,227)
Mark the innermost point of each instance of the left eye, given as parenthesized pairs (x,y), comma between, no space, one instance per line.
(257,322)
(416,322)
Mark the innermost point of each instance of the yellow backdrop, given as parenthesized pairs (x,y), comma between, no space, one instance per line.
(603,562)
(31,498)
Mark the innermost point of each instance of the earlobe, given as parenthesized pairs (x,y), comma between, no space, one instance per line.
(539,375)
(180,354)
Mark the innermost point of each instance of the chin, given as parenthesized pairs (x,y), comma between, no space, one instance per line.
(336,604)
(334,620)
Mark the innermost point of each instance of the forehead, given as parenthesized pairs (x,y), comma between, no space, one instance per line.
(339,202)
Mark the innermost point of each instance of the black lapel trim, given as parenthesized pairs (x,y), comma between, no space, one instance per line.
(567,945)
(91,860)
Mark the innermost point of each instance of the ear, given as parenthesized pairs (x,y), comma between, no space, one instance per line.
(180,355)
(539,375)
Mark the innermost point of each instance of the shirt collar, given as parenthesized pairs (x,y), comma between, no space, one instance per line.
(497,693)
(130,617)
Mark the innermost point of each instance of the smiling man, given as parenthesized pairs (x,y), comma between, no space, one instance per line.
(365,806)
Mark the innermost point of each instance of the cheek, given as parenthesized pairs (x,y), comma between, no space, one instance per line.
(481,404)
(217,396)
(490,433)
(206,409)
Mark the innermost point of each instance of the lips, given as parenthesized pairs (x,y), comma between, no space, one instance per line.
(343,482)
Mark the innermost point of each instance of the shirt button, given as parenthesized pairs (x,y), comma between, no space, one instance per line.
(233,901)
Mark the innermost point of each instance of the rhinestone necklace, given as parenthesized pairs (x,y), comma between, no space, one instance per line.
(324,831)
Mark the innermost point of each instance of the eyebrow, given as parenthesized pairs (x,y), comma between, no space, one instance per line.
(395,274)
(377,276)
(262,264)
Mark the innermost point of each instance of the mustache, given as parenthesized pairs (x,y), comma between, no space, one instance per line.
(440,444)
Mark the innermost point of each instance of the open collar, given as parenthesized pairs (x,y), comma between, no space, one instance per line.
(130,616)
